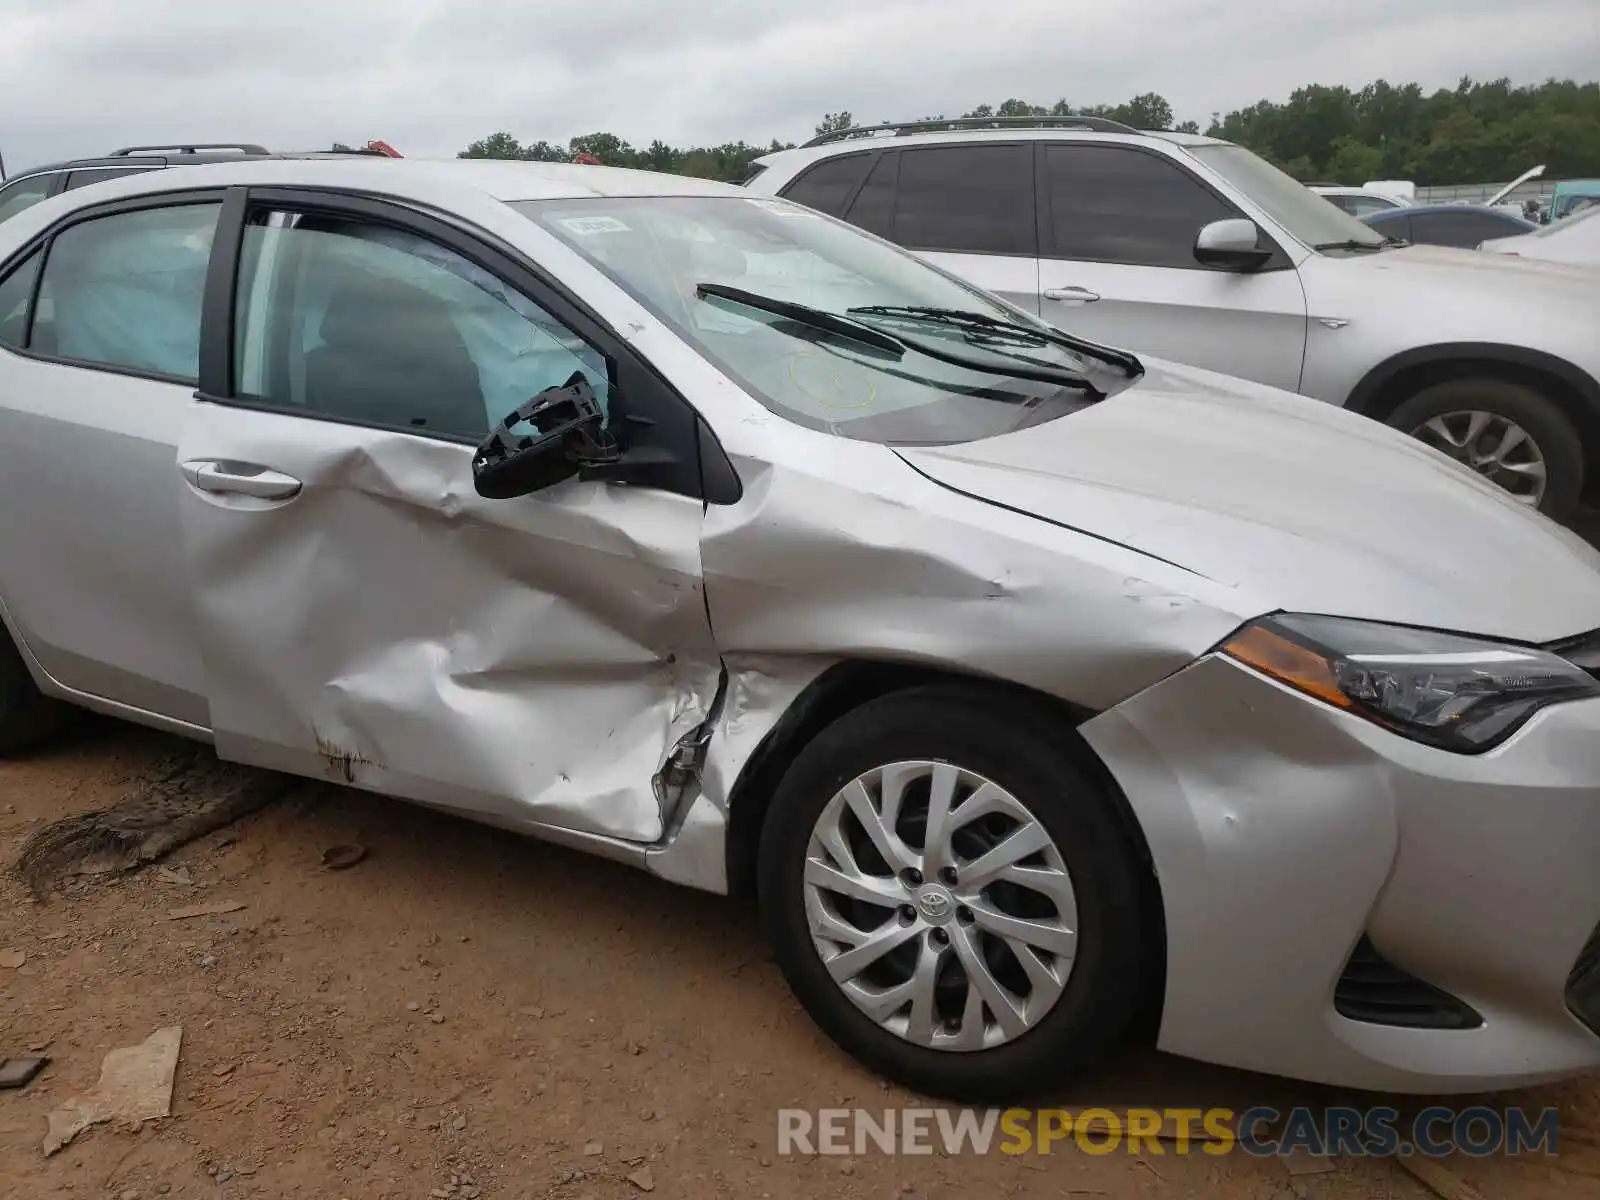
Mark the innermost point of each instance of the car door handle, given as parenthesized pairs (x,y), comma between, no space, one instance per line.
(240,479)
(1071,295)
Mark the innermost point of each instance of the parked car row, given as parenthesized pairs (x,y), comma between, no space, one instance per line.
(1198,251)
(1473,227)
(1026,683)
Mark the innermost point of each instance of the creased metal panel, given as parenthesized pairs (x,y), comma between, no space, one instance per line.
(530,661)
(841,550)
(760,691)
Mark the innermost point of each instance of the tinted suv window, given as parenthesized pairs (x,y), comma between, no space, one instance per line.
(873,209)
(1462,229)
(377,326)
(967,199)
(24,193)
(828,186)
(1118,205)
(125,290)
(16,289)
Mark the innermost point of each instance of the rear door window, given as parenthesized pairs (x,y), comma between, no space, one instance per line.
(24,193)
(124,291)
(967,200)
(828,186)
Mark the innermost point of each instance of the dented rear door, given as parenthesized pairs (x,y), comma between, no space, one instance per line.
(363,614)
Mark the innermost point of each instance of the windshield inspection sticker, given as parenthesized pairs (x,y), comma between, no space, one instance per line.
(583,226)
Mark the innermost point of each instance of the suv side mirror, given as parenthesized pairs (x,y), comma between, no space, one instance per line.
(568,435)
(1231,244)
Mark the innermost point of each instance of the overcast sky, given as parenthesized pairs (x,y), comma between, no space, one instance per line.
(80,77)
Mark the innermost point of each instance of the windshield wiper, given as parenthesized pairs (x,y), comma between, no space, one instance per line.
(816,318)
(1352,244)
(844,327)
(974,321)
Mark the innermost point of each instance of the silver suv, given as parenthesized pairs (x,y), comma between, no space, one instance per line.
(1193,249)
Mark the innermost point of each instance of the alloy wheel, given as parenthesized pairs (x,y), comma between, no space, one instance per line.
(1494,446)
(940,905)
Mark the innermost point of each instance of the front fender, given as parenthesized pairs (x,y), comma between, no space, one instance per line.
(1370,393)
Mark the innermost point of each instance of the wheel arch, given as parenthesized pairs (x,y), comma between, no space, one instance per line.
(848,685)
(1392,381)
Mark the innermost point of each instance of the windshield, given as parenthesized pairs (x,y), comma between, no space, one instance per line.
(664,249)
(1573,197)
(1562,224)
(1305,215)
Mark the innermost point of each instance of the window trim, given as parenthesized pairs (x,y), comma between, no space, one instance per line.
(688,443)
(890,155)
(45,239)
(1279,261)
(11,269)
(899,180)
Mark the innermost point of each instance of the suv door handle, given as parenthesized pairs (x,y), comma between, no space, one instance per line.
(240,479)
(1071,295)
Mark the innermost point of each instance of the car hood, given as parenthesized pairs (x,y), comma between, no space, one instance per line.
(1297,504)
(1445,267)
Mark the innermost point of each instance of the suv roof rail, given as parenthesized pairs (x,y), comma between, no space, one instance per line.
(191,148)
(901,128)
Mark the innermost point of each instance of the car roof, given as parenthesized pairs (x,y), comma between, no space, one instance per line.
(1024,133)
(175,157)
(422,178)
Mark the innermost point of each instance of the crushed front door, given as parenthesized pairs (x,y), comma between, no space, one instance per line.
(364,615)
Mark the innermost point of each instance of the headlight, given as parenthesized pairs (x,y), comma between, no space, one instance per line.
(1456,693)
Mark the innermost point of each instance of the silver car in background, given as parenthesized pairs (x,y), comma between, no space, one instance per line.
(1197,250)
(1021,682)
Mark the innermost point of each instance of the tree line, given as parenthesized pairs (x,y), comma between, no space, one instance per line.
(1472,133)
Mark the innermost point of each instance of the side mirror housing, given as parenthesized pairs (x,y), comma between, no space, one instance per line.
(566,434)
(1232,244)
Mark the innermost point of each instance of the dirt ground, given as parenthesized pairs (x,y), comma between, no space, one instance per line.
(467,1013)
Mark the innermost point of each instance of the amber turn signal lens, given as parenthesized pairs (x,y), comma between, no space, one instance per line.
(1288,662)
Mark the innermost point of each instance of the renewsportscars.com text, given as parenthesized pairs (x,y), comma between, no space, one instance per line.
(1359,1132)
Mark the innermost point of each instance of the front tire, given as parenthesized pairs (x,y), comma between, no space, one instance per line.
(953,898)
(1511,434)
(27,716)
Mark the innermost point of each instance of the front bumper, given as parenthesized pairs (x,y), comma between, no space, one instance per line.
(1284,831)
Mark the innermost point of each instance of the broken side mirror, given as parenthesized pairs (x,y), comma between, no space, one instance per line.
(552,437)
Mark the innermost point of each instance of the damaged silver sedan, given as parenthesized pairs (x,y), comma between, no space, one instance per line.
(1025,684)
